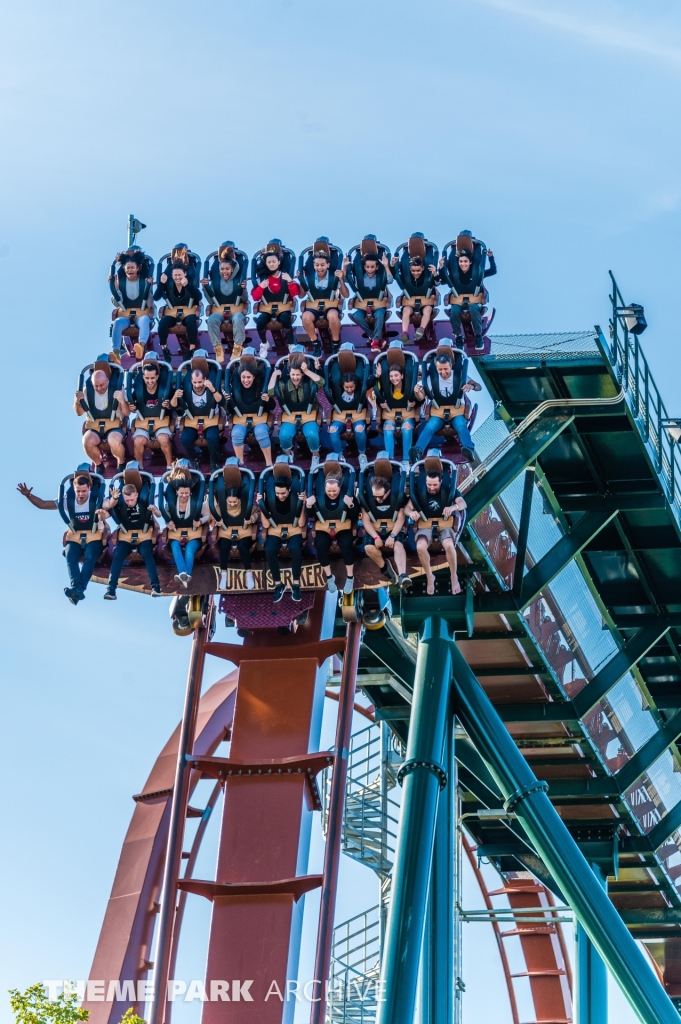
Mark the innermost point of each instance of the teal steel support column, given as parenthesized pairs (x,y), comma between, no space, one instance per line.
(422,776)
(436,1003)
(591,975)
(527,798)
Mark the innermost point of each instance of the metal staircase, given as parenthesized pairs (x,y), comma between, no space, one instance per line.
(369,832)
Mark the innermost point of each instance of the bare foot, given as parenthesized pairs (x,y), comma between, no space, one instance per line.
(430,586)
(456,586)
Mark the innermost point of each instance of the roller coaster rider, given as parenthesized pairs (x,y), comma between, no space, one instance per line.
(347,381)
(80,499)
(382,496)
(336,509)
(396,375)
(130,505)
(186,513)
(101,399)
(434,501)
(183,303)
(130,287)
(463,268)
(250,406)
(369,275)
(275,292)
(231,503)
(198,401)
(149,387)
(441,382)
(322,279)
(282,507)
(415,270)
(224,286)
(295,387)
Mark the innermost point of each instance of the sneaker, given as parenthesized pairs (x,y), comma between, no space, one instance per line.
(250,581)
(315,462)
(165,352)
(295,592)
(115,357)
(317,350)
(222,585)
(264,350)
(236,351)
(362,460)
(349,585)
(415,454)
(156,590)
(479,344)
(406,465)
(418,335)
(71,594)
(375,345)
(404,581)
(404,338)
(279,591)
(219,352)
(178,578)
(138,350)
(387,570)
(110,594)
(468,453)
(187,580)
(331,585)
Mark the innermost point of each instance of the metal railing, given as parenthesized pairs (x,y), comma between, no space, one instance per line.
(642,396)
(355,969)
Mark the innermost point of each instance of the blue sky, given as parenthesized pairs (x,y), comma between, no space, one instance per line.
(551,130)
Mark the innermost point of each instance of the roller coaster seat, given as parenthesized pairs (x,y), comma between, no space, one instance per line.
(81,528)
(343,366)
(168,487)
(285,256)
(391,471)
(396,358)
(259,370)
(102,421)
(474,292)
(145,486)
(180,256)
(324,249)
(366,251)
(238,260)
(212,371)
(117,278)
(329,520)
(227,486)
(446,470)
(282,474)
(290,367)
(150,419)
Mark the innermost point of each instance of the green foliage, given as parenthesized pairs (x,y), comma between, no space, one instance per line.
(130,1017)
(34,1007)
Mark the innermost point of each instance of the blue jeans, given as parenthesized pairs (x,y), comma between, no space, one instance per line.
(122,322)
(435,423)
(359,317)
(360,432)
(261,431)
(287,432)
(121,552)
(189,437)
(79,577)
(454,314)
(389,437)
(184,557)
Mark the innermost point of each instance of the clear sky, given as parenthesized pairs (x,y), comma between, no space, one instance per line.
(549,129)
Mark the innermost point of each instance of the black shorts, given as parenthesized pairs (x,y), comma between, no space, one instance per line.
(103,434)
(317,314)
(401,537)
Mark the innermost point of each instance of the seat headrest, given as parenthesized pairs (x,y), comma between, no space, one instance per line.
(368,247)
(282,470)
(433,465)
(232,476)
(444,350)
(416,247)
(321,248)
(226,252)
(464,244)
(151,360)
(332,465)
(83,470)
(248,363)
(200,363)
(180,254)
(396,357)
(104,365)
(383,467)
(347,362)
(133,476)
(274,249)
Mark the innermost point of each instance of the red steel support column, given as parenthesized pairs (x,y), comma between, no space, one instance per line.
(178,814)
(334,829)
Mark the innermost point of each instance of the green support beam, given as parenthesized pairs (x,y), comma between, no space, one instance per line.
(524,451)
(640,502)
(649,752)
(555,560)
(664,828)
(617,667)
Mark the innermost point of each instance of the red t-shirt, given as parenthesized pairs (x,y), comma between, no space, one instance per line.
(274,285)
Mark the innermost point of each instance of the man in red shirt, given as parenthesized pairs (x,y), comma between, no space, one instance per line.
(276,297)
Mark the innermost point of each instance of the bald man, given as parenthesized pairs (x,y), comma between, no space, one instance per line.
(103,421)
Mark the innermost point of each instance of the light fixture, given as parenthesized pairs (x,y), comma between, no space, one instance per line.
(633,317)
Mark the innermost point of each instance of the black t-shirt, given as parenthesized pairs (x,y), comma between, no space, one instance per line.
(339,506)
(283,508)
(152,403)
(435,503)
(135,518)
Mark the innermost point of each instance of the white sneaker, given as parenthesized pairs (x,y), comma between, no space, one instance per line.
(362,460)
(264,350)
(178,578)
(250,580)
(331,585)
(349,585)
(222,585)
(315,462)
(183,578)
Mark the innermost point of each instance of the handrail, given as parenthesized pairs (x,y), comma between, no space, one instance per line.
(517,432)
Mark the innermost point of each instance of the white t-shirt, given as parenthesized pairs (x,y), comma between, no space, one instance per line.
(200,400)
(78,507)
(132,289)
(446,386)
(101,401)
